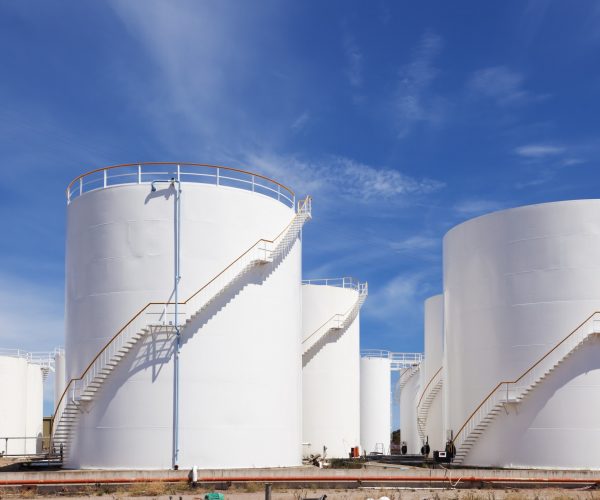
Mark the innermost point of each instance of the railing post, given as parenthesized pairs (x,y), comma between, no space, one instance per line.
(178,173)
(104,175)
(139,174)
(80,186)
(218,176)
(253,184)
(278,192)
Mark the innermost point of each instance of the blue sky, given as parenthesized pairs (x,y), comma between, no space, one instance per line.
(402,119)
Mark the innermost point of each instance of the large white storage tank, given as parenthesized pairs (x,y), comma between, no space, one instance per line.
(430,403)
(375,402)
(240,283)
(21,408)
(517,283)
(331,366)
(410,384)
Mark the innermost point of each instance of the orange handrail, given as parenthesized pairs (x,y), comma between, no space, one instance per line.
(332,317)
(300,207)
(231,169)
(524,373)
(428,384)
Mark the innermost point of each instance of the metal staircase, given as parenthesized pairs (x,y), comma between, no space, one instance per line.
(427,396)
(154,317)
(339,321)
(514,392)
(407,374)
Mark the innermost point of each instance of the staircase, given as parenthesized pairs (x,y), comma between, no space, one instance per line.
(516,391)
(428,395)
(339,321)
(154,317)
(408,374)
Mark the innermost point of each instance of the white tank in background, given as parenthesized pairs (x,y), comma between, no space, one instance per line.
(240,316)
(59,374)
(410,383)
(21,403)
(430,402)
(523,357)
(375,402)
(331,366)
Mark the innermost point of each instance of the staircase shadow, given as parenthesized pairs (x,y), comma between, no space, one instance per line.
(156,349)
(519,419)
(329,338)
(257,275)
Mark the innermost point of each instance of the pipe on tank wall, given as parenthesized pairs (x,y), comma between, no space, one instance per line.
(177,279)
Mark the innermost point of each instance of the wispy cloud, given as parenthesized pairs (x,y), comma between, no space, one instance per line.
(499,83)
(343,177)
(414,102)
(415,243)
(300,123)
(539,150)
(32,314)
(400,299)
(544,161)
(354,61)
(474,207)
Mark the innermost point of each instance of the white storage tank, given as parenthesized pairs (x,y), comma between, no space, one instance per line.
(59,374)
(523,377)
(21,410)
(430,403)
(410,384)
(239,385)
(331,366)
(375,402)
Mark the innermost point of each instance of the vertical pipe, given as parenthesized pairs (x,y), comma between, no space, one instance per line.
(268,487)
(177,331)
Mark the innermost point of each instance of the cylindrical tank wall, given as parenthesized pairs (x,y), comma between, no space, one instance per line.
(330,374)
(375,404)
(59,375)
(34,413)
(408,409)
(240,362)
(21,412)
(516,282)
(434,350)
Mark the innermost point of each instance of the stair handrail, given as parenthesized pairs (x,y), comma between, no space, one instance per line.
(404,378)
(471,422)
(421,421)
(425,390)
(349,315)
(304,207)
